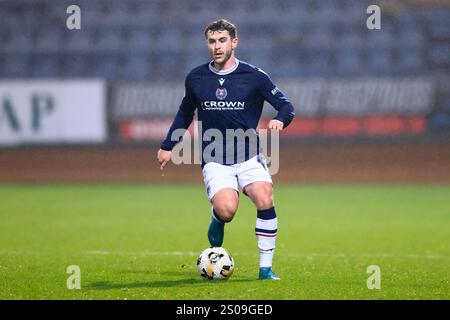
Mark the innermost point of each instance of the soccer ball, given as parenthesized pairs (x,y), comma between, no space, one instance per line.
(215,263)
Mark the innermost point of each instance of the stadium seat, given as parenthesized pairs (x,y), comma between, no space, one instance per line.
(170,39)
(348,63)
(439,24)
(380,39)
(138,41)
(48,40)
(79,41)
(446,105)
(260,59)
(109,41)
(350,40)
(320,38)
(286,69)
(107,67)
(169,65)
(19,42)
(136,68)
(439,55)
(46,67)
(196,57)
(380,62)
(76,66)
(16,66)
(409,61)
(411,39)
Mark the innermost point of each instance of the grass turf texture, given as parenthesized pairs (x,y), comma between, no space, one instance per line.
(141,242)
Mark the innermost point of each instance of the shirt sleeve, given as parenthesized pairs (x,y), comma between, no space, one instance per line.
(183,118)
(276,98)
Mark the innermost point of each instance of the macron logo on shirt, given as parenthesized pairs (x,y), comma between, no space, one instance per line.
(275,90)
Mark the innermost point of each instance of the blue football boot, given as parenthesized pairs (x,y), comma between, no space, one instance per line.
(266,273)
(215,232)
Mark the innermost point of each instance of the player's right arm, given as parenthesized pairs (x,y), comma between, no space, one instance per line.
(182,120)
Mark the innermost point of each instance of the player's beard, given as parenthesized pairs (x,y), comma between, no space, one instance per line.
(224,59)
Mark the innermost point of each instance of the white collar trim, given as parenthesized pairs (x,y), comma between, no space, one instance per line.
(224,72)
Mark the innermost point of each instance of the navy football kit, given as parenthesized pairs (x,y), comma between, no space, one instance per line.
(233,100)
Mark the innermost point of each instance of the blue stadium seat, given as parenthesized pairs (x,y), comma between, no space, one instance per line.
(348,63)
(410,62)
(136,68)
(409,19)
(169,65)
(109,41)
(439,24)
(319,40)
(196,57)
(256,43)
(78,41)
(107,67)
(170,39)
(48,40)
(439,55)
(46,67)
(260,59)
(446,104)
(287,68)
(411,39)
(138,41)
(380,39)
(351,40)
(19,42)
(76,66)
(380,63)
(16,66)
(144,12)
(288,37)
(438,15)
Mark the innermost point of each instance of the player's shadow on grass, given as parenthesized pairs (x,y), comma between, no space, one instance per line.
(106,285)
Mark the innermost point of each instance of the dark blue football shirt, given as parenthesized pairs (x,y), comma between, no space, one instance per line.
(229,103)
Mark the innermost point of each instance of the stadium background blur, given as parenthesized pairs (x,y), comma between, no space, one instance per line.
(94,104)
(364,167)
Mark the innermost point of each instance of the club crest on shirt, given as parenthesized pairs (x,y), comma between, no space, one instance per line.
(221,93)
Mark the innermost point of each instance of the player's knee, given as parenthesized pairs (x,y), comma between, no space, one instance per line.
(265,204)
(265,201)
(226,212)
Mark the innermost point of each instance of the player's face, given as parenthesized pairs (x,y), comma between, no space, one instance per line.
(221,46)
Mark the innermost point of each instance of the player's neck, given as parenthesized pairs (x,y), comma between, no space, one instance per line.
(230,63)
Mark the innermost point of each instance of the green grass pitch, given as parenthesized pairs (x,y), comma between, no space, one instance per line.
(142,241)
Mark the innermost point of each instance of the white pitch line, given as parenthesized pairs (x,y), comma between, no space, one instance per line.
(294,255)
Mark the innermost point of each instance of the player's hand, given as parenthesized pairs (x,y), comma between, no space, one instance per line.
(275,125)
(163,157)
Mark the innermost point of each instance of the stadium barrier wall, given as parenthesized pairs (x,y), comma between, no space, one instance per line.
(91,111)
(373,107)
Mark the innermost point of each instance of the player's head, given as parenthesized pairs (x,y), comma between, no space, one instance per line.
(221,37)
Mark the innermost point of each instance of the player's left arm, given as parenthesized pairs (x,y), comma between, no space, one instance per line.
(278,100)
